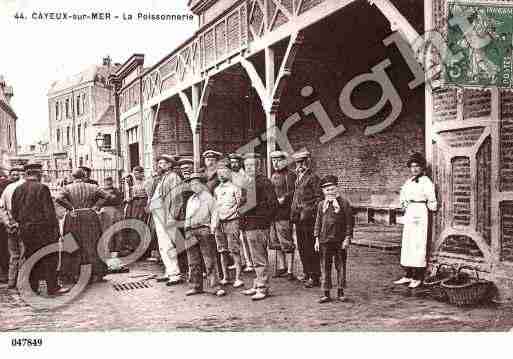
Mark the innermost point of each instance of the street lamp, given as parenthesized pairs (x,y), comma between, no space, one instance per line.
(105,145)
(100,140)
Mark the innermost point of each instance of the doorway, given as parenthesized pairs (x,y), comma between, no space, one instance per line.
(133,150)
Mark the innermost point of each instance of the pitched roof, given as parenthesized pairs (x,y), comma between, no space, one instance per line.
(92,73)
(107,118)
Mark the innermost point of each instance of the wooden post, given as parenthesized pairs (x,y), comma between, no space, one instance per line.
(270,113)
(195,112)
(270,92)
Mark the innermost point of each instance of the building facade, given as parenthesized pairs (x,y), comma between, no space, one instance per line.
(8,118)
(339,78)
(79,107)
(35,152)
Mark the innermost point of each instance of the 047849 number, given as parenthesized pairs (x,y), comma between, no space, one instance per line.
(27,342)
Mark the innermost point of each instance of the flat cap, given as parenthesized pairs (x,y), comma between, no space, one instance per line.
(168,158)
(329,180)
(196,175)
(85,168)
(279,154)
(33,166)
(138,169)
(301,155)
(185,161)
(212,154)
(235,156)
(17,168)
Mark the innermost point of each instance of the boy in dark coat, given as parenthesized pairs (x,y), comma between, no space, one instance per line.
(333,232)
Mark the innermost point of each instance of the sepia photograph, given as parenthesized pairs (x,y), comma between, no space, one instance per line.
(276,166)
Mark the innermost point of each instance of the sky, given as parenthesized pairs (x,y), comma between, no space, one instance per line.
(35,53)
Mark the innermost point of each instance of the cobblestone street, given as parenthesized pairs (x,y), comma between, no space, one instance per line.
(374,304)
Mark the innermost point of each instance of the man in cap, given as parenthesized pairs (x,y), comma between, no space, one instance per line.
(262,205)
(226,221)
(284,182)
(110,213)
(34,213)
(165,206)
(87,172)
(199,243)
(211,157)
(135,200)
(240,179)
(83,200)
(307,194)
(16,174)
(186,168)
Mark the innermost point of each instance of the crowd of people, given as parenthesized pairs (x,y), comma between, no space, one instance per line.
(216,223)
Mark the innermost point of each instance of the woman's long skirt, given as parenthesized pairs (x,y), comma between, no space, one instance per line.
(86,229)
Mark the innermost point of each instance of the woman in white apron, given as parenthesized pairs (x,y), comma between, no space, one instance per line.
(417,197)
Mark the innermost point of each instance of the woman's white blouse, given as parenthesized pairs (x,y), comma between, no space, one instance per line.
(424,190)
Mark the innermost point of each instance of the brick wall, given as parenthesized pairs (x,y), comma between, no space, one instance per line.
(371,169)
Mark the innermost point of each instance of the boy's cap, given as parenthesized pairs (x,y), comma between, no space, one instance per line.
(279,154)
(302,155)
(196,175)
(185,161)
(212,154)
(33,166)
(235,156)
(167,158)
(17,168)
(329,180)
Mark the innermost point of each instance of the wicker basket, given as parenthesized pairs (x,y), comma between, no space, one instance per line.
(463,290)
(433,282)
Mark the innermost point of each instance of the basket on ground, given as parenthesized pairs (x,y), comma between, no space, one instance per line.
(433,282)
(464,290)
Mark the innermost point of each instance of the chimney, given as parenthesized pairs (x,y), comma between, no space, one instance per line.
(106,60)
(9,93)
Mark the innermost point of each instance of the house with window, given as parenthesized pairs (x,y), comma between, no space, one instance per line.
(76,104)
(8,118)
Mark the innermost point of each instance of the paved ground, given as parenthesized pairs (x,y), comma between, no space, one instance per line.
(373,305)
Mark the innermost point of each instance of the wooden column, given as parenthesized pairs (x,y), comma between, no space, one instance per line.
(195,112)
(270,92)
(270,111)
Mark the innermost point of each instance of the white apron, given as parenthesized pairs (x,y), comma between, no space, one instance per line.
(417,198)
(414,243)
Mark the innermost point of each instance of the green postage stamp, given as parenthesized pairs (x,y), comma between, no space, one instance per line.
(480,39)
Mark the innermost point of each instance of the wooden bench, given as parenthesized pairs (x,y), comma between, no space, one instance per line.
(368,213)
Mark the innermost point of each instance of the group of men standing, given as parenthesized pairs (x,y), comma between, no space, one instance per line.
(231,212)
(224,217)
(30,222)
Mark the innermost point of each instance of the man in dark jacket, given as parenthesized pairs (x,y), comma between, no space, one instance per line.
(284,182)
(304,203)
(262,204)
(34,212)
